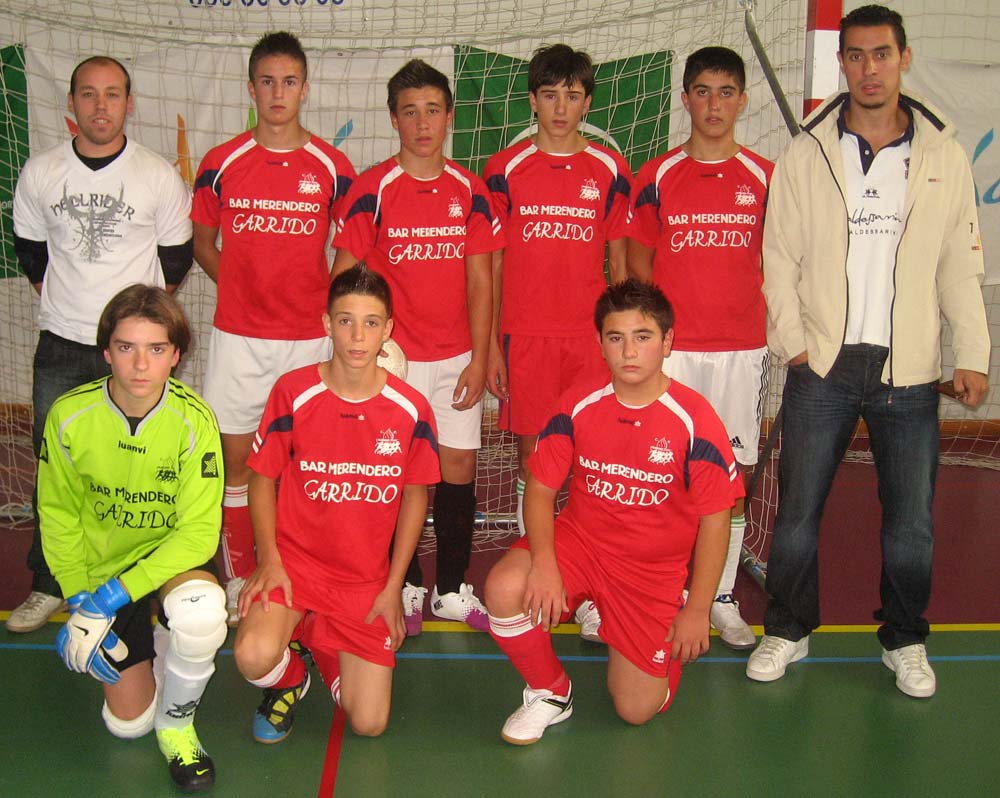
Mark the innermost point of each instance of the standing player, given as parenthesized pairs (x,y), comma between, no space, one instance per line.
(129,497)
(91,216)
(698,213)
(427,225)
(564,202)
(653,480)
(272,191)
(354,448)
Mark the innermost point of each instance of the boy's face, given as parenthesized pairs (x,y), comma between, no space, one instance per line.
(634,347)
(714,101)
(141,357)
(873,65)
(278,88)
(100,103)
(422,119)
(560,108)
(358,326)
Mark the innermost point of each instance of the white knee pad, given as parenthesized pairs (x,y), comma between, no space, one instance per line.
(196,610)
(129,729)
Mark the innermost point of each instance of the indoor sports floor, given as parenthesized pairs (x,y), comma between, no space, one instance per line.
(835,725)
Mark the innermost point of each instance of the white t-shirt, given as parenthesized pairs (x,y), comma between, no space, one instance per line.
(875,207)
(102,228)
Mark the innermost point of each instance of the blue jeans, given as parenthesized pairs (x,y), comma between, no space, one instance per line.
(819,418)
(59,366)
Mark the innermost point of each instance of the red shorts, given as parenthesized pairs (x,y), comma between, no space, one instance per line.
(539,371)
(635,626)
(339,624)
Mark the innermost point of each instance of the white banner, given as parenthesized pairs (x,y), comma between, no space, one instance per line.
(969,95)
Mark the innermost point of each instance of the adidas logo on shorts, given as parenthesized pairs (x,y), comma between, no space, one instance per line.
(735,442)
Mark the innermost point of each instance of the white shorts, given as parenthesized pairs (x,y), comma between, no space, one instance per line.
(735,384)
(436,380)
(241,372)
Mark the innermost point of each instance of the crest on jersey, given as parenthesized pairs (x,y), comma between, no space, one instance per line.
(387,445)
(308,184)
(455,208)
(659,656)
(745,197)
(660,452)
(590,190)
(165,472)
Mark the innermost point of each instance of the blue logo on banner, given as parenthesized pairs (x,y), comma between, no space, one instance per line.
(992,194)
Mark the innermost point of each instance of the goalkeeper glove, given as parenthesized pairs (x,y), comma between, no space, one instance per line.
(86,641)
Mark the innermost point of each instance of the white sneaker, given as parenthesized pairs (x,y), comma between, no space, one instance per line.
(914,675)
(541,709)
(461,606)
(590,621)
(733,630)
(773,655)
(413,609)
(233,588)
(34,612)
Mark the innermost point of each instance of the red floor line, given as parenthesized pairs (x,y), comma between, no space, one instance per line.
(328,781)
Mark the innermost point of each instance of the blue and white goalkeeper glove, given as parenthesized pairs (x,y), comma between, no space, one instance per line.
(86,641)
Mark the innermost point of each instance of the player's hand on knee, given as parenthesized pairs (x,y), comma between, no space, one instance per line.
(269,575)
(86,642)
(544,596)
(389,605)
(688,635)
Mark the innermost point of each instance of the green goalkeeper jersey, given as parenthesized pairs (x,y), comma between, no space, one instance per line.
(143,506)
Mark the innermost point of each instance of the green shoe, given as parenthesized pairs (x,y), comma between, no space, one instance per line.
(190,767)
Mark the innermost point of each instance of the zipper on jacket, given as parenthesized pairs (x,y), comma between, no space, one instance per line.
(843,199)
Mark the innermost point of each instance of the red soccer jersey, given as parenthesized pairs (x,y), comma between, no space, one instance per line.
(274,210)
(417,234)
(558,212)
(642,479)
(342,467)
(705,221)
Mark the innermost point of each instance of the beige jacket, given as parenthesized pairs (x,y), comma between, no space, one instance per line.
(939,261)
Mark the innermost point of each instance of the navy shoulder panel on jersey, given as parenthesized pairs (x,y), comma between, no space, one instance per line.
(424,430)
(559,424)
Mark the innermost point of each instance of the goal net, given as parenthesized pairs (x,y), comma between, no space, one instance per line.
(188,64)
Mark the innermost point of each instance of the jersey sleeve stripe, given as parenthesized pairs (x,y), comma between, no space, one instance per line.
(244,148)
(671,404)
(559,424)
(424,430)
(498,185)
(596,396)
(482,205)
(648,195)
(207,180)
(393,174)
(306,395)
(323,158)
(619,186)
(280,424)
(393,395)
(753,167)
(459,177)
(707,452)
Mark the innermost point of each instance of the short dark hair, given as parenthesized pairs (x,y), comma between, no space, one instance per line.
(560,64)
(359,279)
(144,302)
(101,60)
(416,74)
(715,59)
(633,294)
(278,43)
(872,17)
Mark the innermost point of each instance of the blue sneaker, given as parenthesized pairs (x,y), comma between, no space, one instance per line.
(276,713)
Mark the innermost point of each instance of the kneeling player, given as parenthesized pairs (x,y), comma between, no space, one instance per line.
(130,502)
(354,448)
(653,480)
